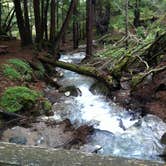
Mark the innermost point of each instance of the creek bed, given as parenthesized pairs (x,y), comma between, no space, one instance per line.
(118,132)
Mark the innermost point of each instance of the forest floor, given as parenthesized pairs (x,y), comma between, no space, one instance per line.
(60,134)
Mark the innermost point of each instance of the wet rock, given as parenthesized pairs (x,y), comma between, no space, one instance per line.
(82,132)
(124,82)
(90,148)
(70,91)
(52,95)
(99,88)
(163,139)
(18,140)
(122,96)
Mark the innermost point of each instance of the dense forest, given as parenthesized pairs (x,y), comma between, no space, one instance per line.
(61,59)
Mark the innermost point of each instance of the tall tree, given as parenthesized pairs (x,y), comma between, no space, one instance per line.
(89,27)
(75,28)
(26,19)
(137,13)
(25,39)
(37,14)
(65,24)
(53,20)
(0,16)
(46,19)
(102,16)
(127,22)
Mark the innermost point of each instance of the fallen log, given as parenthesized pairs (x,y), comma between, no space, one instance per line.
(11,114)
(83,69)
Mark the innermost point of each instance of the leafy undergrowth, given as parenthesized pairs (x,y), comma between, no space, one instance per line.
(21,98)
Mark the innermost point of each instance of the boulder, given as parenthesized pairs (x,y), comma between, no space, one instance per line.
(71,91)
(99,88)
(163,139)
(18,140)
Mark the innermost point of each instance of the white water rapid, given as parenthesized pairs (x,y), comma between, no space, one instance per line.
(119,132)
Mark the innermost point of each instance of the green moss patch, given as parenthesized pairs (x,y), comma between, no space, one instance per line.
(16,98)
(17,69)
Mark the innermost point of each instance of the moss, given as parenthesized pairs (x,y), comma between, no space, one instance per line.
(17,69)
(17,98)
(41,71)
(136,80)
(47,105)
(11,73)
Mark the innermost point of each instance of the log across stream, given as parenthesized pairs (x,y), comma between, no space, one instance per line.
(117,131)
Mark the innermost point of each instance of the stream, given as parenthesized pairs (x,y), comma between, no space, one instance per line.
(117,131)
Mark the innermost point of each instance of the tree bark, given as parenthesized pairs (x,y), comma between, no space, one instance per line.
(75,29)
(36,6)
(89,27)
(0,16)
(46,19)
(126,24)
(137,13)
(85,70)
(65,23)
(21,24)
(52,22)
(8,23)
(27,24)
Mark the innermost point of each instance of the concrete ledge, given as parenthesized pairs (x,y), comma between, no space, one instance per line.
(17,155)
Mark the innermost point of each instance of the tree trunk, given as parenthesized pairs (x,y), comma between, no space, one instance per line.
(75,29)
(27,24)
(89,27)
(42,18)
(65,23)
(63,17)
(36,6)
(102,16)
(46,19)
(157,48)
(137,13)
(0,16)
(57,16)
(126,24)
(8,23)
(21,24)
(85,70)
(52,22)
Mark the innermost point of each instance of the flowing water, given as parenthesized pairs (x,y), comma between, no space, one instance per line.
(119,132)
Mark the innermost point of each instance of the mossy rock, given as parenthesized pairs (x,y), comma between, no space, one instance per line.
(17,98)
(99,88)
(17,69)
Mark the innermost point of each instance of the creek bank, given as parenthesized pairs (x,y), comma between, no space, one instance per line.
(30,128)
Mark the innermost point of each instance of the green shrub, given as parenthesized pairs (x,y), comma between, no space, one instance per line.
(16,98)
(17,69)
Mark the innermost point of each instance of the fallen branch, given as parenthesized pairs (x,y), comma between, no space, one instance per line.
(11,114)
(137,79)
